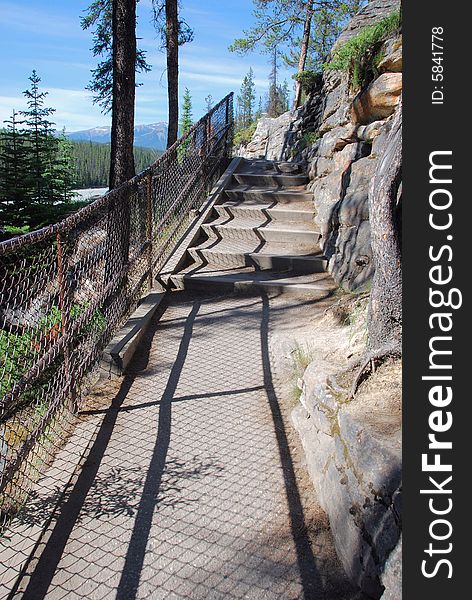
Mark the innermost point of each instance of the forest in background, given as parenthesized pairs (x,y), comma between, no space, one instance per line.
(92,162)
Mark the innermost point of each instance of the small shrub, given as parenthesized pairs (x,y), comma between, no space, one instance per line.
(309,138)
(310,80)
(244,136)
(352,57)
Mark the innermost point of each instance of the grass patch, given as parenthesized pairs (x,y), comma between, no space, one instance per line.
(361,53)
(301,358)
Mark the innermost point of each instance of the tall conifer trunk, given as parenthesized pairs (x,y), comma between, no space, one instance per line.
(303,52)
(124,64)
(172,47)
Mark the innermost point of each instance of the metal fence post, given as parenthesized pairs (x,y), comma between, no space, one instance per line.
(149,229)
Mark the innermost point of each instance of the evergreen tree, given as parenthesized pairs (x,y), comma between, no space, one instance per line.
(65,167)
(277,102)
(174,32)
(303,29)
(99,16)
(124,51)
(16,185)
(245,101)
(43,143)
(186,121)
(259,110)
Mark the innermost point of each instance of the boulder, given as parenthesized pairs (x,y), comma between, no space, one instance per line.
(392,61)
(353,455)
(367,133)
(379,100)
(273,137)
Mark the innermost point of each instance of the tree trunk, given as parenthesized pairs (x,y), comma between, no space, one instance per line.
(385,307)
(172,38)
(124,68)
(303,53)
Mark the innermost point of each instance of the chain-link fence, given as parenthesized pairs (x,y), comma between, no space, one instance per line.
(65,290)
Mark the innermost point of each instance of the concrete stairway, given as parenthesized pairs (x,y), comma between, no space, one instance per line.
(261,233)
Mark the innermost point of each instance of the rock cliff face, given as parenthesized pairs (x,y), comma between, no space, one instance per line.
(339,134)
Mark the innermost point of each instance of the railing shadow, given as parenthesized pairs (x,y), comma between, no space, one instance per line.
(310,577)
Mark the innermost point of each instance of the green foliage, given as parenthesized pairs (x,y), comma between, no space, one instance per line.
(99,16)
(327,23)
(280,23)
(16,184)
(92,162)
(278,98)
(245,101)
(309,138)
(301,358)
(16,230)
(186,123)
(36,166)
(244,136)
(19,351)
(353,56)
(309,80)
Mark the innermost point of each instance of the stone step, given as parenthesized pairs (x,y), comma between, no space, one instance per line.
(261,165)
(270,212)
(276,256)
(264,179)
(258,195)
(316,285)
(253,229)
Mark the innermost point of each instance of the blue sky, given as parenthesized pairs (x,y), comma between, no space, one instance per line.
(46,35)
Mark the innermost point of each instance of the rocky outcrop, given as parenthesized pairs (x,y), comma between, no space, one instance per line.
(335,134)
(379,100)
(353,453)
(272,137)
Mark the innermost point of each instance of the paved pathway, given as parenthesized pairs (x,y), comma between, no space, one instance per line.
(189,489)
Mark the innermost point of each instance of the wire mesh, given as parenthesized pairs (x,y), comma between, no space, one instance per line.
(66,289)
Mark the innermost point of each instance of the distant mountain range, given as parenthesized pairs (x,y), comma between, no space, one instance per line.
(146,136)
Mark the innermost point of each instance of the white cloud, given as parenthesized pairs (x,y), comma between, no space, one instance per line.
(39,21)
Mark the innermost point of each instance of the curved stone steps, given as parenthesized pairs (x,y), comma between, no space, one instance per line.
(259,229)
(262,235)
(306,258)
(316,285)
(240,210)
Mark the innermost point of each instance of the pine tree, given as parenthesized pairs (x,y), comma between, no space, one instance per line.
(246,100)
(124,88)
(99,16)
(174,32)
(65,167)
(302,29)
(43,143)
(259,110)
(186,120)
(16,185)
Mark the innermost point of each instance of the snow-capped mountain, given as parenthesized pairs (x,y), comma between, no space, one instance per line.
(146,136)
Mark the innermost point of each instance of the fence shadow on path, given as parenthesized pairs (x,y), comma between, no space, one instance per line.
(43,574)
